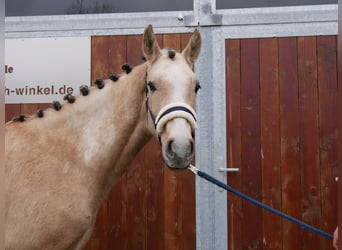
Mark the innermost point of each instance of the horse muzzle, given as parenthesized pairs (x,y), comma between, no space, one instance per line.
(175,125)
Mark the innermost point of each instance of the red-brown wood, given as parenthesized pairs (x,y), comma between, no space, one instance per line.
(154,196)
(297,141)
(309,138)
(339,115)
(233,95)
(11,110)
(270,141)
(250,126)
(289,132)
(28,109)
(327,87)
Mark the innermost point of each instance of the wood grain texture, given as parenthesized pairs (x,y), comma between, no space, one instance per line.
(327,87)
(270,141)
(233,114)
(282,101)
(250,132)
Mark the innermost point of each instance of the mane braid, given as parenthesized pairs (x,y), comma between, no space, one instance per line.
(84,89)
(172,54)
(56,105)
(127,68)
(99,83)
(40,113)
(114,77)
(19,118)
(70,98)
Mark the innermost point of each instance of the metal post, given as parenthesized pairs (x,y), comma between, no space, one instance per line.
(211,202)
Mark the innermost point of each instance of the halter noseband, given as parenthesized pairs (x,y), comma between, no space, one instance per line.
(175,110)
(169,112)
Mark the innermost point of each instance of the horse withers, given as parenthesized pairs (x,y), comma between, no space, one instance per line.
(61,163)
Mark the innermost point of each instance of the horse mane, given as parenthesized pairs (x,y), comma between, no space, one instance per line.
(70,99)
(84,90)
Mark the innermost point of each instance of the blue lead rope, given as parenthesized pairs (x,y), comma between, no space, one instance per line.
(258,203)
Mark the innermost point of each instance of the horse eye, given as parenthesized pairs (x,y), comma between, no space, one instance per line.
(197,87)
(152,86)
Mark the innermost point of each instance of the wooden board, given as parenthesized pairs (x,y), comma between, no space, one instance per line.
(250,141)
(270,141)
(281,131)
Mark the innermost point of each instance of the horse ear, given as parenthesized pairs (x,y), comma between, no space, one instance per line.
(193,48)
(150,45)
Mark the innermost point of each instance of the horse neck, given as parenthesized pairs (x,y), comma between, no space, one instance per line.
(100,133)
(114,136)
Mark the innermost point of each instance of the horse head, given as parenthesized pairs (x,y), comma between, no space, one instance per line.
(171,87)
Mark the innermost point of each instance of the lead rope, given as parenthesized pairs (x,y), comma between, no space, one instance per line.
(211,179)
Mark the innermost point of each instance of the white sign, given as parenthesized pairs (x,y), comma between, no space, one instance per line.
(41,70)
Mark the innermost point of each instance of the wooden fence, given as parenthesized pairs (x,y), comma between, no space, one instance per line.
(282,133)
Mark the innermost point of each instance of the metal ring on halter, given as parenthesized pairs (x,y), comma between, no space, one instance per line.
(175,110)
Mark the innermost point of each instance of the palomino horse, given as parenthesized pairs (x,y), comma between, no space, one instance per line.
(61,163)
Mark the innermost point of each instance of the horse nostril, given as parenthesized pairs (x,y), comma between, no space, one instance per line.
(170,148)
(192,147)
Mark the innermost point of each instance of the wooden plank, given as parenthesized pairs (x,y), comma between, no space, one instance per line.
(339,115)
(134,50)
(250,163)
(188,196)
(270,140)
(117,53)
(28,109)
(289,132)
(44,106)
(309,139)
(136,205)
(185,37)
(154,196)
(11,110)
(327,85)
(99,57)
(233,115)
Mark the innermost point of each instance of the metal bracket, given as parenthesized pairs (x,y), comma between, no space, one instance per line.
(229,169)
(203,16)
(204,20)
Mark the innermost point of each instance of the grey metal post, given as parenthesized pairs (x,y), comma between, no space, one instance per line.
(211,203)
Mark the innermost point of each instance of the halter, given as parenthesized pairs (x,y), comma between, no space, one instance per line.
(169,112)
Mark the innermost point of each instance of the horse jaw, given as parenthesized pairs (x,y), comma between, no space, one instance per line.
(177,144)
